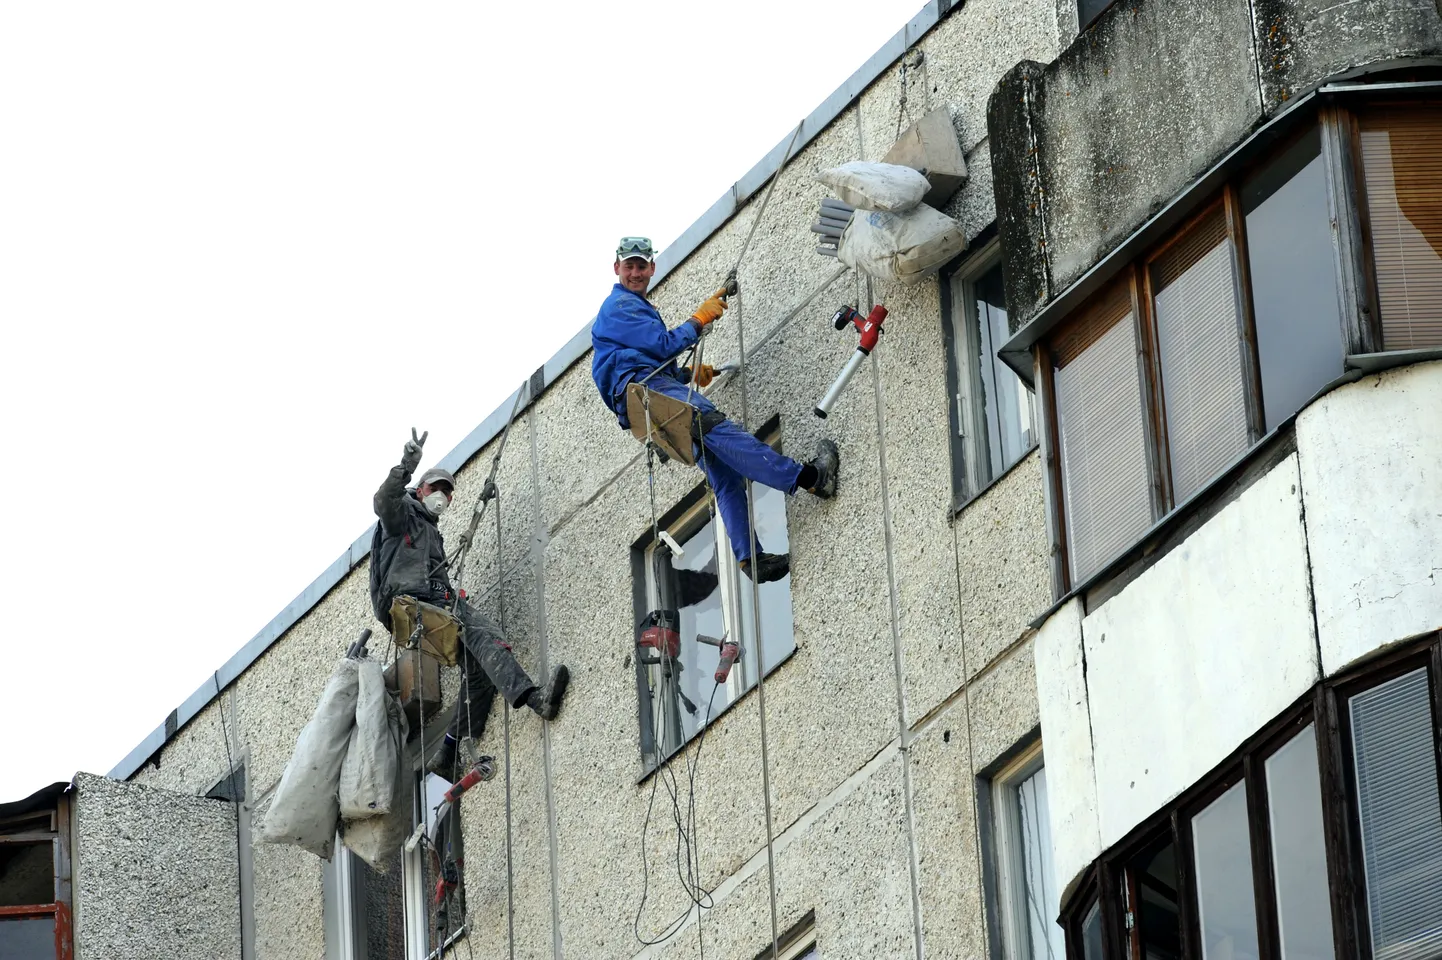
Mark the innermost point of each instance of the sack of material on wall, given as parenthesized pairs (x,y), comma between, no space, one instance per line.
(886,187)
(306,807)
(377,840)
(368,773)
(900,246)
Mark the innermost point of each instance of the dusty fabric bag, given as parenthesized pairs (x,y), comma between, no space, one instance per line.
(885,187)
(367,776)
(900,246)
(378,839)
(305,809)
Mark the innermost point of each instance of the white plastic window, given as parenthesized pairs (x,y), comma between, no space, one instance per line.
(1026,880)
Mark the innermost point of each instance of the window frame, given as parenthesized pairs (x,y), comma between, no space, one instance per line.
(53,825)
(964,340)
(1005,879)
(1324,708)
(691,513)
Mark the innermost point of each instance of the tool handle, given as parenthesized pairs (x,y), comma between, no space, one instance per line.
(462,785)
(730,650)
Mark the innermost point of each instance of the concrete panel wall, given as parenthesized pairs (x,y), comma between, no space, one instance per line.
(1224,619)
(1065,712)
(1371,461)
(155,873)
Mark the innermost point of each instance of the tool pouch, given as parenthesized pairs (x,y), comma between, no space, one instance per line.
(671,421)
(441,635)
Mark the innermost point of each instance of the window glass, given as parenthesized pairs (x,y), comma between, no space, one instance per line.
(1199,340)
(996,411)
(1089,10)
(1299,856)
(1223,863)
(1091,933)
(1157,927)
(1038,881)
(713,601)
(31,938)
(1402,171)
(1105,478)
(27,873)
(1395,765)
(378,913)
(1293,273)
(447,918)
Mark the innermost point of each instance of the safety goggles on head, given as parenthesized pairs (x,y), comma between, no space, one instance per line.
(635,247)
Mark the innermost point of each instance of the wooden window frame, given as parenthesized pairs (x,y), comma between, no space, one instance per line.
(1324,707)
(55,827)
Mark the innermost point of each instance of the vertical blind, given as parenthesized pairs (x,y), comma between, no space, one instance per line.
(1199,340)
(1396,771)
(1402,167)
(1105,482)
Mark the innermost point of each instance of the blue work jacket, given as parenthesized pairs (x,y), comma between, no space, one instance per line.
(629,340)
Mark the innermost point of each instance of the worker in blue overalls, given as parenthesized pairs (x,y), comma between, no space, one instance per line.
(630,341)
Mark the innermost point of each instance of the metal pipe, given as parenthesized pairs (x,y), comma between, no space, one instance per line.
(827,251)
(823,409)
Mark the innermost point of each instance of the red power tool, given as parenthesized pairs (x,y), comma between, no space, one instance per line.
(870,328)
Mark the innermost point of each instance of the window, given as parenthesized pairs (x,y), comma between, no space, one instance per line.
(1331,811)
(1026,882)
(705,599)
(1211,339)
(391,914)
(1395,765)
(994,409)
(798,943)
(1401,153)
(35,877)
(1089,10)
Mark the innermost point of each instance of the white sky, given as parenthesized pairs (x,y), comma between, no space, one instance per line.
(232,235)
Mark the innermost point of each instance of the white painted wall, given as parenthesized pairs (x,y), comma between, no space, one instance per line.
(1067,740)
(1371,458)
(1197,653)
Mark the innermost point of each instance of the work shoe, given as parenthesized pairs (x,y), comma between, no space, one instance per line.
(547,701)
(443,760)
(769,566)
(827,463)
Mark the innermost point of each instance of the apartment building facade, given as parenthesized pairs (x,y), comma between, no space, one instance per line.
(1119,641)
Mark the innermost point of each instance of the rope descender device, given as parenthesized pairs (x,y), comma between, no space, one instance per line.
(870,328)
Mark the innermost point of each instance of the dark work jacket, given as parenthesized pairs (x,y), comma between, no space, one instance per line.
(629,340)
(405,549)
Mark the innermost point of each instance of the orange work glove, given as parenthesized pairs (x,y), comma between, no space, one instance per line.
(703,375)
(711,310)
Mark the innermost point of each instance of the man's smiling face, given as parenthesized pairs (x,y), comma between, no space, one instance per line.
(635,274)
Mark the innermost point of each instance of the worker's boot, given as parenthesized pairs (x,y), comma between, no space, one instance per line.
(546,701)
(769,566)
(826,463)
(443,760)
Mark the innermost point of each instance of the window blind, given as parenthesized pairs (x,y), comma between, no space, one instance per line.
(1199,341)
(1105,483)
(1401,822)
(1402,166)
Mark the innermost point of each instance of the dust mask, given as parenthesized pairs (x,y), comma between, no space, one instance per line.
(436,502)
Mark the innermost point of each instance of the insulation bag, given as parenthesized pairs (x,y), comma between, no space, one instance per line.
(884,187)
(901,246)
(306,807)
(378,839)
(367,775)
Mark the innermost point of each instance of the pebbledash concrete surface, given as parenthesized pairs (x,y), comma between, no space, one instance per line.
(914,616)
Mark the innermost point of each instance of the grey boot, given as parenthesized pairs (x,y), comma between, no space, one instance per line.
(547,701)
(443,760)
(827,463)
(769,566)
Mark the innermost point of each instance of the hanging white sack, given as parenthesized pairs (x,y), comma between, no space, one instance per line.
(378,839)
(900,246)
(368,774)
(306,808)
(886,187)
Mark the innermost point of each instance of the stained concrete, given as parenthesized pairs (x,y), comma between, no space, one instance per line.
(155,873)
(1225,618)
(1371,472)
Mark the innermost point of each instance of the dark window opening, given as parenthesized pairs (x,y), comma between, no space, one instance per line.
(1089,10)
(27,873)
(378,911)
(1154,904)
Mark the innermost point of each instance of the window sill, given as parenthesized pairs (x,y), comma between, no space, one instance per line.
(960,505)
(680,751)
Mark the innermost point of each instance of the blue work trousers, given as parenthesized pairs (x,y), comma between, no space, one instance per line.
(731,456)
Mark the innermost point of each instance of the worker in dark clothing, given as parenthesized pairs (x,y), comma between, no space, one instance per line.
(408,558)
(630,341)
